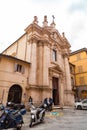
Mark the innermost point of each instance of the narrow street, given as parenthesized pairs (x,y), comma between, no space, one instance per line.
(66,119)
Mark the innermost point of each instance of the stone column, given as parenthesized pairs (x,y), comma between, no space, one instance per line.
(33,60)
(46,58)
(40,63)
(61,89)
(67,73)
(69,97)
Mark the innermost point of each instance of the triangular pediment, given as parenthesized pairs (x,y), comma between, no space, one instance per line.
(56,68)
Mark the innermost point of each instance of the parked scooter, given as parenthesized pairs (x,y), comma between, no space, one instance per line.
(11,119)
(37,114)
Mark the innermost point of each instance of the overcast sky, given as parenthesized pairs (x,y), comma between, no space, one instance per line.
(70,17)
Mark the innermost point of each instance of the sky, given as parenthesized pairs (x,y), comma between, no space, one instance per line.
(70,17)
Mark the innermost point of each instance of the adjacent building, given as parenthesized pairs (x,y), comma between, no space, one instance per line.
(14,75)
(79,59)
(37,65)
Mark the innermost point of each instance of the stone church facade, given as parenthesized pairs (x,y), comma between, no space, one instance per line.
(47,53)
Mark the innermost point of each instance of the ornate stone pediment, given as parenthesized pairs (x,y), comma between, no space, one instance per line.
(56,68)
(53,35)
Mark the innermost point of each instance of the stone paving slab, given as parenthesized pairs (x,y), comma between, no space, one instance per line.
(48,115)
(66,119)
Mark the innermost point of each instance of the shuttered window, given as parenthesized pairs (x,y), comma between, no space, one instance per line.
(78,56)
(80,69)
(19,68)
(82,80)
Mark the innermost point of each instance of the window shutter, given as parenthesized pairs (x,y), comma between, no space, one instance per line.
(23,70)
(15,67)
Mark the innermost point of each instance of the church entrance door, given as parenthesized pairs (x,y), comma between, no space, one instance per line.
(55,92)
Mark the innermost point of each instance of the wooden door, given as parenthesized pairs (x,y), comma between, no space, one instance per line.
(55,90)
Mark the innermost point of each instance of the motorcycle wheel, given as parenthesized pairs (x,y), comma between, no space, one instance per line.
(30,125)
(42,119)
(18,128)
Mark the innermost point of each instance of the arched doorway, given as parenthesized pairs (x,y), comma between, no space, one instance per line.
(15,94)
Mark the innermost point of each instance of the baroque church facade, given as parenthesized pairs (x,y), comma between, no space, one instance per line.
(45,53)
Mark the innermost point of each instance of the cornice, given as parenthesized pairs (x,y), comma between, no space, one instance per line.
(46,35)
(13,58)
(38,39)
(33,27)
(78,51)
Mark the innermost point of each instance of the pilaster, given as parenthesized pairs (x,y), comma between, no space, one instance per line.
(33,58)
(68,88)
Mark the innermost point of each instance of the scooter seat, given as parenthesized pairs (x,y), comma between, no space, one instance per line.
(39,108)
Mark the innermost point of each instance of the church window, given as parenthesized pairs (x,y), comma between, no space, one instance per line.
(54,55)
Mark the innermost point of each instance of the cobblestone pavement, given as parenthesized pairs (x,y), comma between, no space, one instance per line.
(67,119)
(49,117)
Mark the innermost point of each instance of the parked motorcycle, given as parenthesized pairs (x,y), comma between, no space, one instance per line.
(11,118)
(1,109)
(15,106)
(37,114)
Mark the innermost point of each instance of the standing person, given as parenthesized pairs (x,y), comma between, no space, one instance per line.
(45,103)
(50,104)
(30,100)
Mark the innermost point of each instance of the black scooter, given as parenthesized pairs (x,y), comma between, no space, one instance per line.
(11,118)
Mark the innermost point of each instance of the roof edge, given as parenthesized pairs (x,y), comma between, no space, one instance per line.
(77,51)
(14,58)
